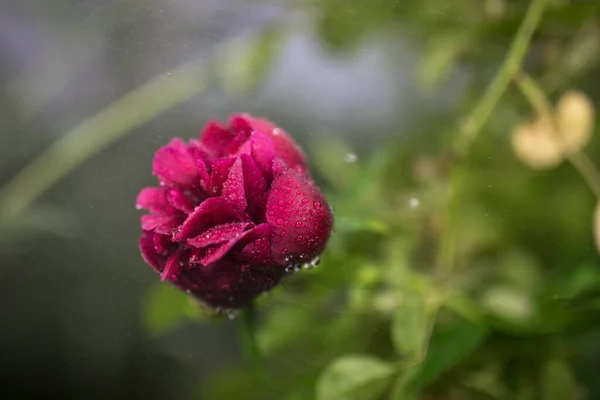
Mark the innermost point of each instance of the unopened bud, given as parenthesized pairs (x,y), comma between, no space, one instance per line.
(574,119)
(535,144)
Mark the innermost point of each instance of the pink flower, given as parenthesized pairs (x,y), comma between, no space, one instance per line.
(234,210)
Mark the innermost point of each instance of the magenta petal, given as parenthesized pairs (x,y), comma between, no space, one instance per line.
(149,253)
(220,172)
(202,157)
(177,199)
(255,186)
(219,233)
(258,250)
(233,187)
(162,243)
(172,268)
(153,199)
(285,147)
(216,138)
(213,211)
(299,216)
(153,221)
(174,165)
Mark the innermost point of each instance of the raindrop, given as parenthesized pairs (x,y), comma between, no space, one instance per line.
(298,224)
(413,202)
(351,158)
(231,315)
(317,204)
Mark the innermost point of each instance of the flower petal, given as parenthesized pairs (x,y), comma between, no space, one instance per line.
(300,218)
(285,147)
(255,187)
(172,268)
(178,199)
(219,233)
(257,251)
(219,174)
(153,199)
(149,253)
(216,138)
(154,221)
(211,212)
(233,187)
(174,165)
(225,284)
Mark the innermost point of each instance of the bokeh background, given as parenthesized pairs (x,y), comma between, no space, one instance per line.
(376,91)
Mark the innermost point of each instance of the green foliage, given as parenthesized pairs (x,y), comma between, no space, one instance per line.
(354,377)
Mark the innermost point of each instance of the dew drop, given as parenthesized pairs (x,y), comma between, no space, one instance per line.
(317,204)
(351,158)
(313,213)
(276,132)
(281,202)
(304,200)
(299,224)
(279,221)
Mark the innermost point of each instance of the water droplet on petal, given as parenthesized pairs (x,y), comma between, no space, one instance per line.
(317,204)
(299,224)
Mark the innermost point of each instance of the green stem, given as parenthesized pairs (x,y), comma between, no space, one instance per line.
(510,66)
(247,329)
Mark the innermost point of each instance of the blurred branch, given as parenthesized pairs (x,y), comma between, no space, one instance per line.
(510,66)
(97,132)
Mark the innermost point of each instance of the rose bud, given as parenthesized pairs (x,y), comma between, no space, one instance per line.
(234,210)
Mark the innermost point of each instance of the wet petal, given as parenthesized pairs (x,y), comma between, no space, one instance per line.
(153,221)
(213,211)
(233,187)
(255,186)
(216,138)
(257,251)
(285,147)
(149,253)
(178,199)
(174,165)
(300,219)
(219,233)
(153,199)
(172,268)
(220,172)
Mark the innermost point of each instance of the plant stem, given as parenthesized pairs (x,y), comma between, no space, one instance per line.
(247,329)
(510,66)
(582,163)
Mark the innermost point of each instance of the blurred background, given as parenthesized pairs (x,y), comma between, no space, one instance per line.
(454,272)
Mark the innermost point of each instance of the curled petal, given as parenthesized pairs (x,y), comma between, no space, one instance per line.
(257,251)
(178,199)
(285,147)
(153,199)
(174,165)
(216,138)
(220,233)
(300,219)
(213,211)
(233,187)
(158,222)
(255,186)
(172,268)
(149,253)
(220,172)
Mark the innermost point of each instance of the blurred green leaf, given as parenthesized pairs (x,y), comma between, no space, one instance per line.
(409,327)
(509,302)
(355,377)
(166,307)
(440,55)
(402,388)
(557,381)
(448,348)
(350,224)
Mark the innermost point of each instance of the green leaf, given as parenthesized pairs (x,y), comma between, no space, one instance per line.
(355,377)
(448,348)
(167,307)
(409,327)
(402,389)
(557,381)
